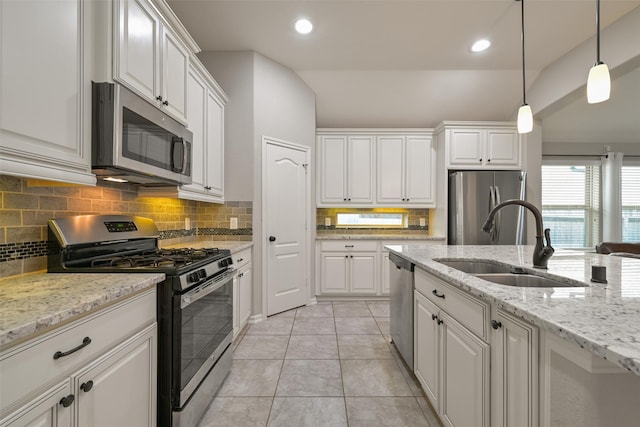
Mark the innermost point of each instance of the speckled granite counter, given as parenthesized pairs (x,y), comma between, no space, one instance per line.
(234,246)
(33,303)
(378,237)
(602,318)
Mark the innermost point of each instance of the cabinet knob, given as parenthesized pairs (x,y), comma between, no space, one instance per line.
(407,200)
(86,387)
(165,103)
(434,317)
(495,324)
(67,401)
(345,199)
(435,292)
(488,160)
(159,98)
(440,322)
(272,238)
(207,188)
(349,200)
(480,159)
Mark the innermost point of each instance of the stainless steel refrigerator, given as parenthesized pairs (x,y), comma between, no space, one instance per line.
(472,195)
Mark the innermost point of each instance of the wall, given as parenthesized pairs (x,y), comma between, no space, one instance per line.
(27,205)
(266,99)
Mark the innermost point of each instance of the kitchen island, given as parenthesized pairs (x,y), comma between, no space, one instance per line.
(594,326)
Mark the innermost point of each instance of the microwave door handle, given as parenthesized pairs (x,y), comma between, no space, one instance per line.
(185,156)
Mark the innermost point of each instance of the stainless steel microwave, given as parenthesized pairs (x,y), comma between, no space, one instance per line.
(134,141)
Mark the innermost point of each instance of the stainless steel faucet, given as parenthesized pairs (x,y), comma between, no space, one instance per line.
(541,253)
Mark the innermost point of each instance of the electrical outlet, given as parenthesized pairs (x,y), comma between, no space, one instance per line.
(423,222)
(187,223)
(327,222)
(233,223)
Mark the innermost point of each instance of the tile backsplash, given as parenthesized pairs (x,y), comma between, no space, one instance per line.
(413,220)
(27,205)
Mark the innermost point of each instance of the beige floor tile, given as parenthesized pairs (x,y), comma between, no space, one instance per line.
(237,411)
(356,326)
(310,378)
(308,412)
(256,378)
(363,347)
(379,378)
(312,347)
(272,326)
(384,412)
(316,310)
(379,309)
(262,347)
(314,326)
(351,309)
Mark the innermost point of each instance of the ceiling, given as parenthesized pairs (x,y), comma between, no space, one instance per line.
(395,63)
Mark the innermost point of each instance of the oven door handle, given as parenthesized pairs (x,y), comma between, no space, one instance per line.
(206,288)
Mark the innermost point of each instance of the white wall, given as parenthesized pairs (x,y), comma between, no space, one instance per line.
(265,99)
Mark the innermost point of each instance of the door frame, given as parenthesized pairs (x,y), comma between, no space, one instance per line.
(267,140)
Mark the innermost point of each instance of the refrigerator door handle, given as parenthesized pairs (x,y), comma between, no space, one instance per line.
(496,235)
(492,204)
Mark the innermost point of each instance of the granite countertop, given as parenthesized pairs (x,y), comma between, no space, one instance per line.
(390,236)
(234,246)
(34,303)
(602,318)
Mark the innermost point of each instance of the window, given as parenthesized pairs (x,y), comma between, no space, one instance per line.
(630,193)
(571,204)
(378,220)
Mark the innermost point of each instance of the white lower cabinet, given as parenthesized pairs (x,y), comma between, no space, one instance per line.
(106,378)
(514,374)
(450,352)
(242,290)
(348,267)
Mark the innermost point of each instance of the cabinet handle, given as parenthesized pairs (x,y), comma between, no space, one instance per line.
(165,103)
(58,354)
(435,292)
(67,401)
(86,387)
(495,324)
(434,317)
(348,246)
(240,259)
(159,98)
(207,188)
(241,274)
(272,238)
(440,322)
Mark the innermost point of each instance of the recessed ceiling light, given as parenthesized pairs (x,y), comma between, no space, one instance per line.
(480,45)
(304,26)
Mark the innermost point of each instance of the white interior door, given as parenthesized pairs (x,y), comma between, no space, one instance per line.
(286,203)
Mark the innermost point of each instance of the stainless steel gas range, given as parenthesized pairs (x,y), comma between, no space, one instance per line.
(195,302)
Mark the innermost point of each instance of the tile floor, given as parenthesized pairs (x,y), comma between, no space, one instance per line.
(329,364)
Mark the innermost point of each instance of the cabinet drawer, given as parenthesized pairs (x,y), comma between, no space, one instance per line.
(242,258)
(25,369)
(349,245)
(465,308)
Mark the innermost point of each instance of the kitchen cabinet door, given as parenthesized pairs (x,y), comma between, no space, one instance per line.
(419,171)
(244,295)
(465,371)
(426,340)
(363,275)
(120,388)
(391,170)
(197,123)
(514,373)
(215,146)
(137,56)
(503,148)
(333,273)
(465,147)
(360,170)
(45,89)
(175,63)
(44,411)
(332,154)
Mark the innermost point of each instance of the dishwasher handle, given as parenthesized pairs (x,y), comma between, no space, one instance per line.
(401,263)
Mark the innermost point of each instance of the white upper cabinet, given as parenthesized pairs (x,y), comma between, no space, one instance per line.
(474,146)
(346,170)
(45,106)
(205,118)
(149,58)
(406,171)
(376,167)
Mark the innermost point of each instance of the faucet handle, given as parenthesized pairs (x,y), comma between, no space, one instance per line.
(547,236)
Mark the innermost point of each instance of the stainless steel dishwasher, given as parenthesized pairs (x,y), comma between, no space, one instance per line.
(401,306)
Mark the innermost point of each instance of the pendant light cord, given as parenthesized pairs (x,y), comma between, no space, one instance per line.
(598,62)
(524,90)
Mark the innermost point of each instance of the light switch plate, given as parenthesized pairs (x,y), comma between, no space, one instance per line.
(327,222)
(187,223)
(423,222)
(233,223)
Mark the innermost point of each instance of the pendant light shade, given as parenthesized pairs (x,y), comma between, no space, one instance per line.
(525,116)
(525,119)
(599,80)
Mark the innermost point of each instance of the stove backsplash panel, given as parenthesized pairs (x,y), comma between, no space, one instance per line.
(27,205)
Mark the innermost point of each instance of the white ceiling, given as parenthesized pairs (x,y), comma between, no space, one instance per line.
(396,63)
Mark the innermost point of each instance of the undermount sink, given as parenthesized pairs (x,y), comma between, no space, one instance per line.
(477,267)
(506,275)
(526,281)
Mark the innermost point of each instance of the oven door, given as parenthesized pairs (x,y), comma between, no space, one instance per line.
(205,332)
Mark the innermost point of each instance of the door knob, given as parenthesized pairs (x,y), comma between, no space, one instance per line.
(272,238)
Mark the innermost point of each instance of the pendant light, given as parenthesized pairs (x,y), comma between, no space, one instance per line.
(525,116)
(599,81)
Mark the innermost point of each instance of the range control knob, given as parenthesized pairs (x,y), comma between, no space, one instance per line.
(193,277)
